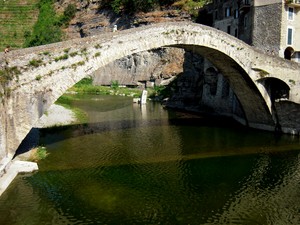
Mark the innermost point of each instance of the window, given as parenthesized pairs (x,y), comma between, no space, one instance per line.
(227,12)
(228,29)
(236,13)
(236,33)
(290,36)
(245,21)
(216,15)
(296,56)
(291,13)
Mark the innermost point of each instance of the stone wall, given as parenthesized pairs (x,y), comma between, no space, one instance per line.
(266,28)
(288,116)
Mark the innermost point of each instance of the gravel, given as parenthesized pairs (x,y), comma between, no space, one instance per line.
(56,115)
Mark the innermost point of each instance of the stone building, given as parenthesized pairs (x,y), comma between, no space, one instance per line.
(270,25)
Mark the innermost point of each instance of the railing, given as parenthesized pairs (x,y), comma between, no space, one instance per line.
(244,5)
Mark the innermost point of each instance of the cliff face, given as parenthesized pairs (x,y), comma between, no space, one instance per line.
(196,84)
(93,18)
(159,66)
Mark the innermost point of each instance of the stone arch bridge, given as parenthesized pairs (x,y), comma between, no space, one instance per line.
(33,79)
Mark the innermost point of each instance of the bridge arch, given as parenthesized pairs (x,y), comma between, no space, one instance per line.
(46,72)
(288,53)
(276,88)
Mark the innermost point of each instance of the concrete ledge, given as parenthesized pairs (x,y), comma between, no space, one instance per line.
(4,163)
(289,130)
(11,169)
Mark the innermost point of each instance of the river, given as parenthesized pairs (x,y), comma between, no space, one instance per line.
(148,165)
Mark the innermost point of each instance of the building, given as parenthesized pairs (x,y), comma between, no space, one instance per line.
(270,25)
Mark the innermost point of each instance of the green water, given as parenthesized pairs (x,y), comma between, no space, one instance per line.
(133,165)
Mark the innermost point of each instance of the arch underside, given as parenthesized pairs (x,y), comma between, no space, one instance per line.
(254,106)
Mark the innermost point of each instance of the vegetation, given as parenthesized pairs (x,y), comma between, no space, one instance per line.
(8,73)
(48,26)
(36,22)
(134,6)
(159,92)
(86,86)
(35,62)
(46,30)
(38,154)
(17,19)
(68,14)
(66,102)
(191,6)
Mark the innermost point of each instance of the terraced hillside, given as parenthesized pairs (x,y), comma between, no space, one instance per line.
(16,17)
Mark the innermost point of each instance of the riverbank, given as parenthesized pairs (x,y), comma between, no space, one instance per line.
(56,116)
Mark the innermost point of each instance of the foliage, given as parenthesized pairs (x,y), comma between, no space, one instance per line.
(160,92)
(42,152)
(191,6)
(38,77)
(115,85)
(133,6)
(68,14)
(46,30)
(8,73)
(48,26)
(35,62)
(86,86)
(38,154)
(62,57)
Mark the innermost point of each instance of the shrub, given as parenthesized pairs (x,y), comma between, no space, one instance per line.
(35,62)
(46,29)
(68,15)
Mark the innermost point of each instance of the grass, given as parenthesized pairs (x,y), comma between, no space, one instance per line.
(16,18)
(86,86)
(66,101)
(38,154)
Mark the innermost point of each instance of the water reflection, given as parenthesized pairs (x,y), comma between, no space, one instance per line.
(133,165)
(268,195)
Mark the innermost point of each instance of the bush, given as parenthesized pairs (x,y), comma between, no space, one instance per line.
(68,15)
(48,26)
(46,30)
(133,6)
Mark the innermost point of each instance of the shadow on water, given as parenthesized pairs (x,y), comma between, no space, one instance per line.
(210,127)
(60,133)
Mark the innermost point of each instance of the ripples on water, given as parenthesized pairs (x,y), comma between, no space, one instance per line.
(151,166)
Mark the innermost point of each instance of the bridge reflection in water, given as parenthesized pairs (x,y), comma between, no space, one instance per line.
(134,165)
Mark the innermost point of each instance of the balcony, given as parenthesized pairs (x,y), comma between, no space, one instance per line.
(245,6)
(293,3)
